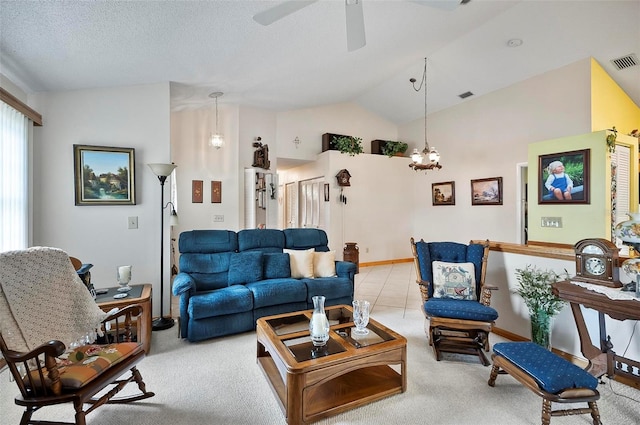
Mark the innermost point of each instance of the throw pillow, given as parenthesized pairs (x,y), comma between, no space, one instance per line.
(245,267)
(276,266)
(454,280)
(324,264)
(301,262)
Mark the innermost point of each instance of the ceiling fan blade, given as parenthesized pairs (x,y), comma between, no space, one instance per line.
(355,25)
(441,4)
(269,16)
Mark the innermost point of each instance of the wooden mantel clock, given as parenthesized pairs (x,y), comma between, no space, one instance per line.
(596,262)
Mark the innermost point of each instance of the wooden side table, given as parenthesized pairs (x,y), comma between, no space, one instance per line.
(106,302)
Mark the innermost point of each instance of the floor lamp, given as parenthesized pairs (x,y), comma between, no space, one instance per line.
(162,171)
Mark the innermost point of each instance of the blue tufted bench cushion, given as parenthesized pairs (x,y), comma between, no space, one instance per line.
(460,309)
(552,373)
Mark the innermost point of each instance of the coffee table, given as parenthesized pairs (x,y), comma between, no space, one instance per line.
(311,383)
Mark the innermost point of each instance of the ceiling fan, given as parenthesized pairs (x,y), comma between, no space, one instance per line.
(355,18)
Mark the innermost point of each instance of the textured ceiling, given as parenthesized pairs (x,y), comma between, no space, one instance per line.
(302,60)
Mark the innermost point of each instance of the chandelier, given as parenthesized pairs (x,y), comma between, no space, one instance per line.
(429,157)
(216,140)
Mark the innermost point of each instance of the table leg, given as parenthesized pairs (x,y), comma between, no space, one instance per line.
(295,399)
(598,363)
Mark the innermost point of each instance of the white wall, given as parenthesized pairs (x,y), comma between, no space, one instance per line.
(133,117)
(486,137)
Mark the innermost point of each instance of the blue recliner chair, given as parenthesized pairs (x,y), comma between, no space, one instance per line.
(455,299)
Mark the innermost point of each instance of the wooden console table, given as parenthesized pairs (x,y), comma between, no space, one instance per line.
(603,359)
(141,295)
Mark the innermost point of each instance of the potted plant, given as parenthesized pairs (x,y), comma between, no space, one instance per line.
(348,144)
(534,286)
(393,148)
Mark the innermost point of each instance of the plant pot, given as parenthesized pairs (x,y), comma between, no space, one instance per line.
(327,141)
(541,329)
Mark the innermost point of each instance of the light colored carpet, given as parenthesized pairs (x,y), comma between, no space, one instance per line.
(219,382)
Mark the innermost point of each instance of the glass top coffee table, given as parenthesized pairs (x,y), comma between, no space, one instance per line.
(312,383)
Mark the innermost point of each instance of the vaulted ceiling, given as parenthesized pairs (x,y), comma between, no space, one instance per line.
(302,60)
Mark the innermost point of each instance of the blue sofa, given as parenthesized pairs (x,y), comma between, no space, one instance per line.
(228,280)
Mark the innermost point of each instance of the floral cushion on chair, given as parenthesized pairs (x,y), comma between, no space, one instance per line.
(454,280)
(85,363)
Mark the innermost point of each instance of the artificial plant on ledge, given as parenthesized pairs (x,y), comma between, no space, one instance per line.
(534,286)
(348,144)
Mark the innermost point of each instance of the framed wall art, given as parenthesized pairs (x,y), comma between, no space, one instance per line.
(196,191)
(443,193)
(486,191)
(326,192)
(216,192)
(563,178)
(104,175)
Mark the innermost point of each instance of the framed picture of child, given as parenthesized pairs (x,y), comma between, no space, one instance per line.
(564,178)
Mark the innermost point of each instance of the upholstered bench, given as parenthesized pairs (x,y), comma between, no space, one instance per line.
(548,375)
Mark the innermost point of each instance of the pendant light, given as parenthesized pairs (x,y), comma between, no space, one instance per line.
(429,158)
(216,140)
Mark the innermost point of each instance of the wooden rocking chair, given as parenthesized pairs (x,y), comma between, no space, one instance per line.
(44,370)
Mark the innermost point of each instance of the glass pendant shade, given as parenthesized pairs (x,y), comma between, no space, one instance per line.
(216,141)
(416,157)
(433,155)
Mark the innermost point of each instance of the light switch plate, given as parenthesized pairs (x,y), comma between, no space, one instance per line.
(218,218)
(133,222)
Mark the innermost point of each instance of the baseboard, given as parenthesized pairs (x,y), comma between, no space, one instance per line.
(386,262)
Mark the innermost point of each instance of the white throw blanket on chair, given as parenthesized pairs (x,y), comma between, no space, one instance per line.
(43,299)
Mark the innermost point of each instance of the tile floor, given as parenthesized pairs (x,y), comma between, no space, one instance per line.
(392,285)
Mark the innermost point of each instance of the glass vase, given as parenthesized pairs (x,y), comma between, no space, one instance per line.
(319,324)
(541,328)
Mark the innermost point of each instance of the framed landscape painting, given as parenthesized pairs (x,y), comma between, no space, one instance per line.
(486,191)
(104,175)
(563,178)
(443,193)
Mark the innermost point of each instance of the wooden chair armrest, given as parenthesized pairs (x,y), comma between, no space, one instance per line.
(131,310)
(52,348)
(423,285)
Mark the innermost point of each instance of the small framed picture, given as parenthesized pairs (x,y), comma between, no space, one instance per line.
(196,191)
(326,192)
(443,193)
(104,175)
(563,178)
(216,192)
(486,191)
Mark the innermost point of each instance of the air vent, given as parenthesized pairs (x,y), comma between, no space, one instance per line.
(625,61)
(465,95)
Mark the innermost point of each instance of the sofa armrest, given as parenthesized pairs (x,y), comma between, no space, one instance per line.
(346,269)
(183,283)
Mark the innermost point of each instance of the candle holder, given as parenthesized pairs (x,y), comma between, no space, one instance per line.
(123,274)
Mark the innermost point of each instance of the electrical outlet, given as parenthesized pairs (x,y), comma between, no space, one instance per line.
(133,222)
(218,218)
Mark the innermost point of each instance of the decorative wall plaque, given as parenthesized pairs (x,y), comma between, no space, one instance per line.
(216,192)
(196,191)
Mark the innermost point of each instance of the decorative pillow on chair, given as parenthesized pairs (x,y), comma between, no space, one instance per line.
(324,264)
(301,262)
(245,267)
(454,280)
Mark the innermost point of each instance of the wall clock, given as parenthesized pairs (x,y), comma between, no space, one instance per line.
(343,177)
(597,262)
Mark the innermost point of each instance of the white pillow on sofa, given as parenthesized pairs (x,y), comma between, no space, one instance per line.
(301,262)
(324,264)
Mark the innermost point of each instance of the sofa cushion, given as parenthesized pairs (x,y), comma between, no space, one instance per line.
(229,300)
(209,271)
(330,287)
(301,262)
(324,264)
(276,266)
(305,239)
(277,291)
(265,240)
(208,241)
(245,267)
